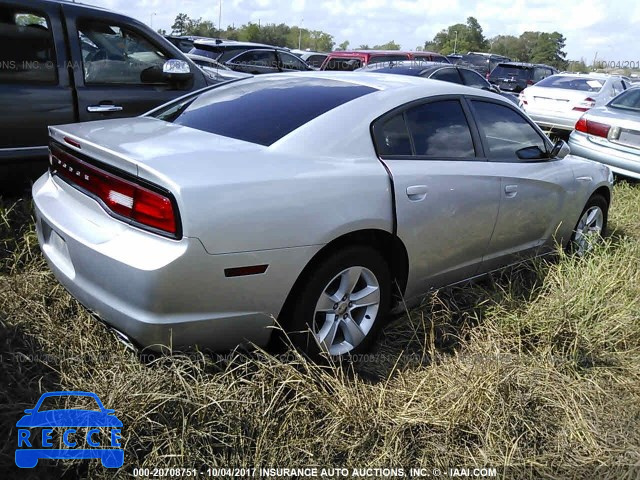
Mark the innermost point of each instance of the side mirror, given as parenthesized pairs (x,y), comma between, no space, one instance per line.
(560,150)
(176,70)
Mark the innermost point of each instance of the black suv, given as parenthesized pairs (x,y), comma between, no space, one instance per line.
(483,63)
(253,58)
(516,76)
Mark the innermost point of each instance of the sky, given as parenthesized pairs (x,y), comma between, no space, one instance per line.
(605,28)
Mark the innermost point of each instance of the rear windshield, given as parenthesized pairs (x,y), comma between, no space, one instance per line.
(584,84)
(629,100)
(512,71)
(343,64)
(262,110)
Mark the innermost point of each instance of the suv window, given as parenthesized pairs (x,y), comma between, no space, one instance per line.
(447,75)
(440,130)
(259,58)
(517,72)
(27,53)
(247,111)
(539,74)
(509,136)
(473,79)
(291,62)
(115,55)
(316,60)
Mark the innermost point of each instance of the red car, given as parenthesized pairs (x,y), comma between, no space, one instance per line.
(347,61)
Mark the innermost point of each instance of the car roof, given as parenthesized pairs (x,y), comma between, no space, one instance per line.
(231,43)
(406,67)
(525,64)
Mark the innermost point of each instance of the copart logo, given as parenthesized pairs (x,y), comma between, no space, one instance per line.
(89,431)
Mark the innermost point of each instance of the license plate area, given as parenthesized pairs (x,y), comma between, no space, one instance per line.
(629,138)
(55,247)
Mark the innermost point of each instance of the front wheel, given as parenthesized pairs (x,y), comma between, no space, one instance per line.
(341,304)
(591,226)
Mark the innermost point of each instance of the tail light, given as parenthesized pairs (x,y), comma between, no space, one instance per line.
(529,82)
(585,105)
(592,128)
(132,202)
(522,98)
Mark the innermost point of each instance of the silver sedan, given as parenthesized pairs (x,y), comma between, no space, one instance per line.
(559,100)
(322,200)
(611,134)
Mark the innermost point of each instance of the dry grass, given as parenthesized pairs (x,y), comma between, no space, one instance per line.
(536,370)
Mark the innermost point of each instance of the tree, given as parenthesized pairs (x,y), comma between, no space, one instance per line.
(344,45)
(363,47)
(387,46)
(162,31)
(180,24)
(459,38)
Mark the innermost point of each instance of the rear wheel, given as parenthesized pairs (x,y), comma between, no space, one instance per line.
(340,306)
(591,226)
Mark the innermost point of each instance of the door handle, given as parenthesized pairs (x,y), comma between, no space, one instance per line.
(104,108)
(417,192)
(511,190)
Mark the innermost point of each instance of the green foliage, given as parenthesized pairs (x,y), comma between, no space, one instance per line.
(364,47)
(459,38)
(280,35)
(344,45)
(387,46)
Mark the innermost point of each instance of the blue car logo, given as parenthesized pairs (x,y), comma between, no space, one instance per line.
(84,433)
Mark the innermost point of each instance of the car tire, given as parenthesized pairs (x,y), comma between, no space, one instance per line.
(591,225)
(341,303)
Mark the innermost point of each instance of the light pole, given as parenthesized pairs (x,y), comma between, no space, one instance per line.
(455,43)
(300,33)
(220,18)
(151,20)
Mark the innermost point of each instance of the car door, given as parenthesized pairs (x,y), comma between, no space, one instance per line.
(446,197)
(118,66)
(533,188)
(255,62)
(34,83)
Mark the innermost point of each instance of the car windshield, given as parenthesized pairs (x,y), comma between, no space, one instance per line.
(261,111)
(585,84)
(629,100)
(511,71)
(62,402)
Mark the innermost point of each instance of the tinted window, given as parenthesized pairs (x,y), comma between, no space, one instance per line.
(447,75)
(343,64)
(388,58)
(515,72)
(27,53)
(291,62)
(258,58)
(509,136)
(393,137)
(629,100)
(473,79)
(584,84)
(203,52)
(112,54)
(316,60)
(262,111)
(440,129)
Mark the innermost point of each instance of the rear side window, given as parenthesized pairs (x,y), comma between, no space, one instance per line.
(440,130)
(473,79)
(393,137)
(257,58)
(387,58)
(447,75)
(629,100)
(509,136)
(27,53)
(316,60)
(262,111)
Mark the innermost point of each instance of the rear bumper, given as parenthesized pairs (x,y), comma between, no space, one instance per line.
(156,290)
(620,162)
(561,121)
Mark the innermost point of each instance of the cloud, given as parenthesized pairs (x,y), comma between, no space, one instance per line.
(588,25)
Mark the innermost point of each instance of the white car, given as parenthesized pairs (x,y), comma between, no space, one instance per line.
(558,101)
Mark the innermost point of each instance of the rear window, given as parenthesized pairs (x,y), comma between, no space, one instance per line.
(261,111)
(629,100)
(584,84)
(343,64)
(512,71)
